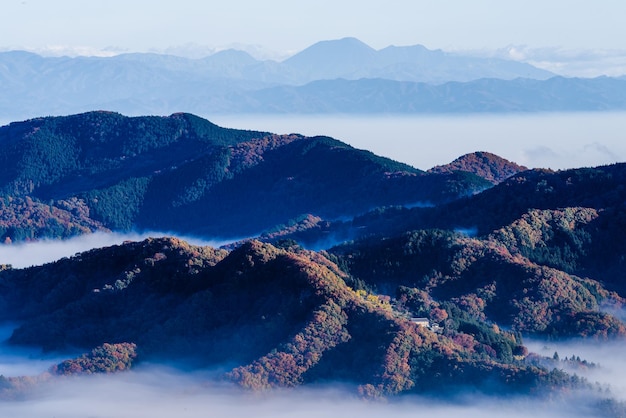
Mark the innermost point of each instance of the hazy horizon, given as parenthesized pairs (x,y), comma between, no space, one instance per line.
(454,24)
(536,140)
(573,38)
(567,37)
(566,62)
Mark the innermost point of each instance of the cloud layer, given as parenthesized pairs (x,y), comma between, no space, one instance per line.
(159,391)
(45,251)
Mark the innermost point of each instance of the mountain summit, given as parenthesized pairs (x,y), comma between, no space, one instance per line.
(484,164)
(351,59)
(346,58)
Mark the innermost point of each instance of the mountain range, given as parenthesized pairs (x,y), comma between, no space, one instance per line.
(362,270)
(181,173)
(281,317)
(343,75)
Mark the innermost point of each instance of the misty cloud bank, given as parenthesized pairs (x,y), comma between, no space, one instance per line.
(16,361)
(162,392)
(610,370)
(159,391)
(28,254)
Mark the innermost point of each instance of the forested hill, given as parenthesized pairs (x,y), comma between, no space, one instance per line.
(271,316)
(98,149)
(600,188)
(428,286)
(484,164)
(184,174)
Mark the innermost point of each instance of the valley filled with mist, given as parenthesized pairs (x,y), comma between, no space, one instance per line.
(395,210)
(299,270)
(165,391)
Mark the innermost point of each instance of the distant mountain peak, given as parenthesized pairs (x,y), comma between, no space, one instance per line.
(333,57)
(337,45)
(346,41)
(489,166)
(232,55)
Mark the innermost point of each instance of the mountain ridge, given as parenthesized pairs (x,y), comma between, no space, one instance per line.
(185,174)
(426,283)
(224,82)
(296,322)
(233,82)
(353,59)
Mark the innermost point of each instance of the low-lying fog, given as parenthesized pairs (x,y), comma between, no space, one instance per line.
(159,391)
(609,357)
(21,255)
(20,361)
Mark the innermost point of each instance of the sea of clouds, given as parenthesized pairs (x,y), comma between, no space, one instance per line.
(160,391)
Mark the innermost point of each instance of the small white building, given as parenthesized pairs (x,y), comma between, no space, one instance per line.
(423,322)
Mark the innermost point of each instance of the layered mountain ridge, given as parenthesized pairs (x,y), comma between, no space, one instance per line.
(345,76)
(184,174)
(423,282)
(281,316)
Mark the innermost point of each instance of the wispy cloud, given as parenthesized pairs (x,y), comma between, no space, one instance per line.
(190,50)
(602,150)
(570,62)
(563,61)
(539,156)
(68,51)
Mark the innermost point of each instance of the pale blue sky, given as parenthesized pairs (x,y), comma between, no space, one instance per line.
(288,25)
